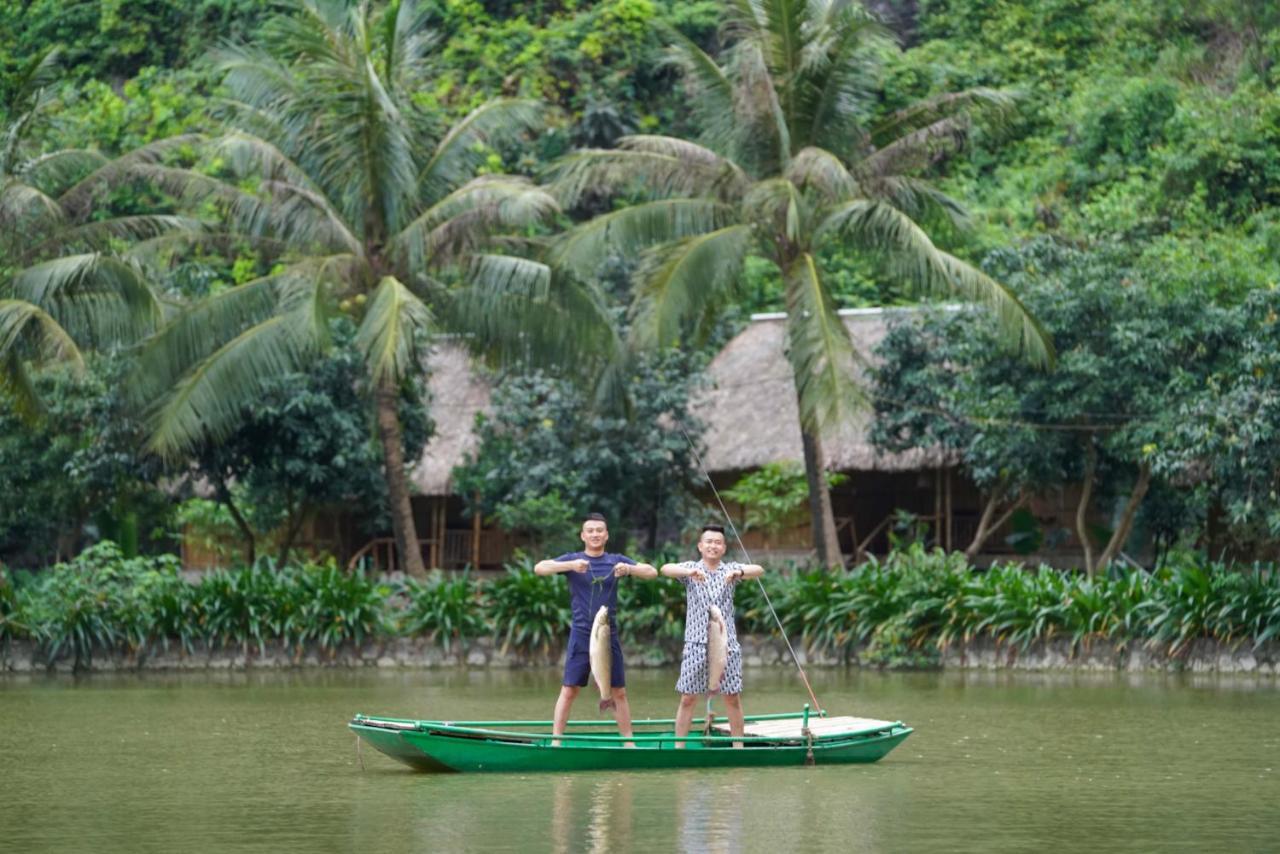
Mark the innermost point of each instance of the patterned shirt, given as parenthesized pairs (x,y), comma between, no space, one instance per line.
(716,590)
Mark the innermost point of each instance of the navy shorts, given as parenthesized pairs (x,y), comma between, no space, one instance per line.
(577,663)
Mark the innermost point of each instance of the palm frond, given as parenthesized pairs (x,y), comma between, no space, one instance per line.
(463,221)
(201,329)
(680,286)
(840,70)
(919,148)
(821,171)
(764,136)
(210,402)
(17,387)
(713,98)
(629,230)
(99,235)
(409,44)
(726,178)
(778,207)
(97,298)
(819,348)
(589,173)
(57,170)
(881,228)
(29,96)
(28,330)
(78,199)
(914,197)
(389,335)
(25,212)
(991,104)
(457,156)
(516,311)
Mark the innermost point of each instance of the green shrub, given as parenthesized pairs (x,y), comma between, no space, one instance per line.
(77,607)
(448,609)
(249,604)
(651,611)
(526,610)
(11,625)
(334,607)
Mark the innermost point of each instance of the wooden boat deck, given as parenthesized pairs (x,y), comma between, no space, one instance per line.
(819,727)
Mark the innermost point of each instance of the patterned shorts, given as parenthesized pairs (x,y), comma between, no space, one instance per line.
(693,671)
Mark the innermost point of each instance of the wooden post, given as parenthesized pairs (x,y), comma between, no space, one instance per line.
(436,503)
(475,534)
(937,507)
(950,511)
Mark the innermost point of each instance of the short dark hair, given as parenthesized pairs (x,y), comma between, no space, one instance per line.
(718,529)
(595,517)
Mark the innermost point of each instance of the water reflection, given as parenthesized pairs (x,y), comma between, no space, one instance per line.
(999,762)
(592,813)
(709,814)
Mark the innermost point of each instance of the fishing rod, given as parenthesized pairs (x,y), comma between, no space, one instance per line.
(767,601)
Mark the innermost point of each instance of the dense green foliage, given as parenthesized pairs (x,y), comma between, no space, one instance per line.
(1140,155)
(1151,387)
(902,611)
(774,495)
(547,457)
(308,443)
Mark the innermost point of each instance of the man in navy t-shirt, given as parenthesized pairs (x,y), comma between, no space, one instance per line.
(593,581)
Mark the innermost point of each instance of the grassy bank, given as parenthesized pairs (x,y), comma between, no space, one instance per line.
(900,612)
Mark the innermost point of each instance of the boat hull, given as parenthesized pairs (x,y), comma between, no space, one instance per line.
(428,749)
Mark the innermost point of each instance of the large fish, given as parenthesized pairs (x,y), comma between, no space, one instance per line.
(717,648)
(601,654)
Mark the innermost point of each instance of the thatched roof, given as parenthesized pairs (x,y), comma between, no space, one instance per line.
(458,392)
(751,413)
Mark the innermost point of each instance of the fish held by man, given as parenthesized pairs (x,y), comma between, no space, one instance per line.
(717,648)
(602,657)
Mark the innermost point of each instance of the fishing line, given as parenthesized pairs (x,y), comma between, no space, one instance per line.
(767,601)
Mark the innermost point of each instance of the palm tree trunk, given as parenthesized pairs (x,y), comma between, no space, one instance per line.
(402,524)
(821,516)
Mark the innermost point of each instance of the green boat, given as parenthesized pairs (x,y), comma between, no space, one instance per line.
(769,740)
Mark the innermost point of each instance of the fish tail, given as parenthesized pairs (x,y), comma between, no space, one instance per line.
(607,705)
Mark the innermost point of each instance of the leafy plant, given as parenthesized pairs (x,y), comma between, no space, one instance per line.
(447,608)
(250,604)
(336,607)
(775,495)
(526,610)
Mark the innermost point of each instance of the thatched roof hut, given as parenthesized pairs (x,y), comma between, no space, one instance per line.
(458,392)
(751,413)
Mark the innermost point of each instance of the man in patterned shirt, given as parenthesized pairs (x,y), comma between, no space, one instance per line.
(709,581)
(593,581)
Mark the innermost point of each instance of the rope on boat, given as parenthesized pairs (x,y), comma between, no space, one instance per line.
(767,601)
(359,755)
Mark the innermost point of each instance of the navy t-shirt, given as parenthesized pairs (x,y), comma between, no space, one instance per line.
(593,588)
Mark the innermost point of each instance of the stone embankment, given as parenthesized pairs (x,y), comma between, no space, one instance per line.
(1202,656)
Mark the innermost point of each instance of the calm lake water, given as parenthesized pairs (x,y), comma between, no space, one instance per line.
(998,762)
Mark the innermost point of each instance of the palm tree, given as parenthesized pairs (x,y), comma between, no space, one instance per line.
(792,159)
(62,288)
(333,169)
